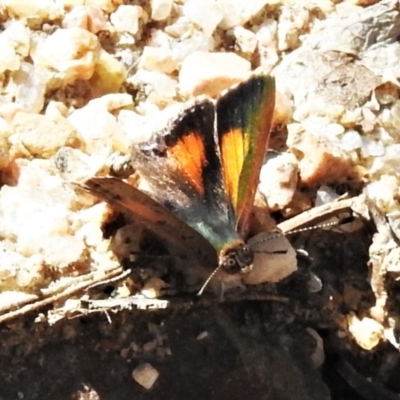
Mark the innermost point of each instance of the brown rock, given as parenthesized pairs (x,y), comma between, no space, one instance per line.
(42,135)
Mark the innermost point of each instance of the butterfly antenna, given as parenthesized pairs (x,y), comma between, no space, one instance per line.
(309,228)
(205,284)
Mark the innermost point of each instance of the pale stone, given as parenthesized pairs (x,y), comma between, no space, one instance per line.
(278,180)
(238,12)
(113,101)
(9,58)
(159,59)
(32,273)
(75,166)
(351,140)
(266,33)
(126,18)
(325,195)
(76,18)
(160,9)
(158,86)
(204,13)
(384,192)
(246,40)
(293,22)
(108,75)
(7,112)
(106,5)
(132,124)
(87,222)
(34,210)
(63,250)
(86,17)
(74,59)
(68,4)
(5,156)
(28,87)
(283,109)
(321,163)
(181,28)
(43,9)
(366,332)
(193,42)
(56,109)
(210,73)
(145,375)
(18,35)
(42,135)
(99,129)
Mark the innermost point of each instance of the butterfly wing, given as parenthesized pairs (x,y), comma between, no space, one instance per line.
(184,170)
(154,217)
(244,117)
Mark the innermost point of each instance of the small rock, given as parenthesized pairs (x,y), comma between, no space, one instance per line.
(5,156)
(384,192)
(318,164)
(238,12)
(126,18)
(145,375)
(9,59)
(63,250)
(351,140)
(99,129)
(108,76)
(210,73)
(42,9)
(113,101)
(278,180)
(202,335)
(246,40)
(160,9)
(132,124)
(159,87)
(325,195)
(293,22)
(318,356)
(56,109)
(191,39)
(159,59)
(28,87)
(74,59)
(204,13)
(14,43)
(366,332)
(90,18)
(42,135)
(106,5)
(283,109)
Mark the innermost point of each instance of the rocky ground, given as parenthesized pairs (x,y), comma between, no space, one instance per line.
(85,81)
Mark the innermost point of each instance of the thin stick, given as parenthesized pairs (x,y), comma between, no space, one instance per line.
(316,215)
(90,280)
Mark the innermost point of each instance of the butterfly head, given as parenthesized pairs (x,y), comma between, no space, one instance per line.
(236,258)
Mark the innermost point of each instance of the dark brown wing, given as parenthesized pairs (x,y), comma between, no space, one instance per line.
(146,211)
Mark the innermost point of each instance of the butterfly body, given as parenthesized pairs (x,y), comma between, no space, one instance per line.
(202,172)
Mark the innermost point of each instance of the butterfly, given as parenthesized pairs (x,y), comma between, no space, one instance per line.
(203,172)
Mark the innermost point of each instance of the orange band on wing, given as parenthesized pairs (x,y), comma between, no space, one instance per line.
(232,161)
(189,156)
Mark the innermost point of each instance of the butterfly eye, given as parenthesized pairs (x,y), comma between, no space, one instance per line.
(238,258)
